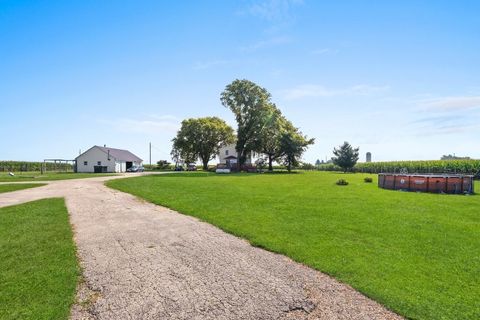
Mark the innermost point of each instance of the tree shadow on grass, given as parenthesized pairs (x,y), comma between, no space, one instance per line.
(282,172)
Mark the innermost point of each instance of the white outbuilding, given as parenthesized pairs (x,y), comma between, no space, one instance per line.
(105,159)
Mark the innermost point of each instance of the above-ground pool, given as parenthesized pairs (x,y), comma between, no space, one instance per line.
(436,183)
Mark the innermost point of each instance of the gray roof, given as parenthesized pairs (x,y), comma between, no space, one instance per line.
(120,154)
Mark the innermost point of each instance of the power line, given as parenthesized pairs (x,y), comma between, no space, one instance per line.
(159,150)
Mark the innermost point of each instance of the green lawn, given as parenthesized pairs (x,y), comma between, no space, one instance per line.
(418,254)
(18,186)
(37,176)
(38,265)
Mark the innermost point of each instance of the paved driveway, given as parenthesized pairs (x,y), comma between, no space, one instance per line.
(142,261)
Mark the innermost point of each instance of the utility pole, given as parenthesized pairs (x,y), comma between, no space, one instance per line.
(150,149)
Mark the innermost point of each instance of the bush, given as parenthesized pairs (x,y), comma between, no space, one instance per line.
(368,180)
(163,165)
(342,182)
(307,166)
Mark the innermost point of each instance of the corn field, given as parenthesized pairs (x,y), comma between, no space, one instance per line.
(18,166)
(428,166)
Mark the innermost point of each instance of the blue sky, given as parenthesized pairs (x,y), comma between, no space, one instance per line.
(400,79)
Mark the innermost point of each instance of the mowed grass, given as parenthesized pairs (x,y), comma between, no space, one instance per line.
(48,176)
(416,253)
(18,186)
(38,265)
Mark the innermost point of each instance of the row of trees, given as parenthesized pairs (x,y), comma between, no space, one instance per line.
(261,128)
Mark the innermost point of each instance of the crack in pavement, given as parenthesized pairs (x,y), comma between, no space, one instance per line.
(143,261)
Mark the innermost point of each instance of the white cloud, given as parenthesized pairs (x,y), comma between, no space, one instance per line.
(275,41)
(438,117)
(323,51)
(153,124)
(451,103)
(314,91)
(167,117)
(447,129)
(210,64)
(365,89)
(273,10)
(276,73)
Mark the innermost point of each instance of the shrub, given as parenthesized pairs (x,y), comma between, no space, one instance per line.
(368,180)
(307,166)
(342,182)
(163,165)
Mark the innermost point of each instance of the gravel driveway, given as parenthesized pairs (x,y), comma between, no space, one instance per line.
(142,261)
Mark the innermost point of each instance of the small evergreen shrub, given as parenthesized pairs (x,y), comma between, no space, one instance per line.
(342,182)
(368,180)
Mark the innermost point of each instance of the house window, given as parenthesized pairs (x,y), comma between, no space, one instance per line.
(226,152)
(99,163)
(85,163)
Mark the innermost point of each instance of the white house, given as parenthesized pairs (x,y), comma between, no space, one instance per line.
(105,159)
(228,156)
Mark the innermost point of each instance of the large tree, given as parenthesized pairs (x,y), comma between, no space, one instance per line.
(292,145)
(270,136)
(251,106)
(202,138)
(345,156)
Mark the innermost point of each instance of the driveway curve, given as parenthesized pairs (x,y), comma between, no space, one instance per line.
(143,261)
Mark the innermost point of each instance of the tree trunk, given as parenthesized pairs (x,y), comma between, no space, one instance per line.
(270,160)
(241,159)
(204,159)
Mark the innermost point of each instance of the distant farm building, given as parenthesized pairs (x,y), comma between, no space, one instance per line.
(369,157)
(228,156)
(105,159)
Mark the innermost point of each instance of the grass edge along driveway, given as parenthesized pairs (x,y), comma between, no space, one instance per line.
(19,186)
(49,176)
(415,253)
(38,264)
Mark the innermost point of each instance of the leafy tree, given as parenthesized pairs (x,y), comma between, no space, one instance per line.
(202,138)
(163,164)
(292,145)
(251,106)
(270,136)
(345,156)
(307,166)
(181,156)
(260,163)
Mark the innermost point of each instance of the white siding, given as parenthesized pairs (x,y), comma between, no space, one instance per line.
(92,156)
(121,166)
(229,150)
